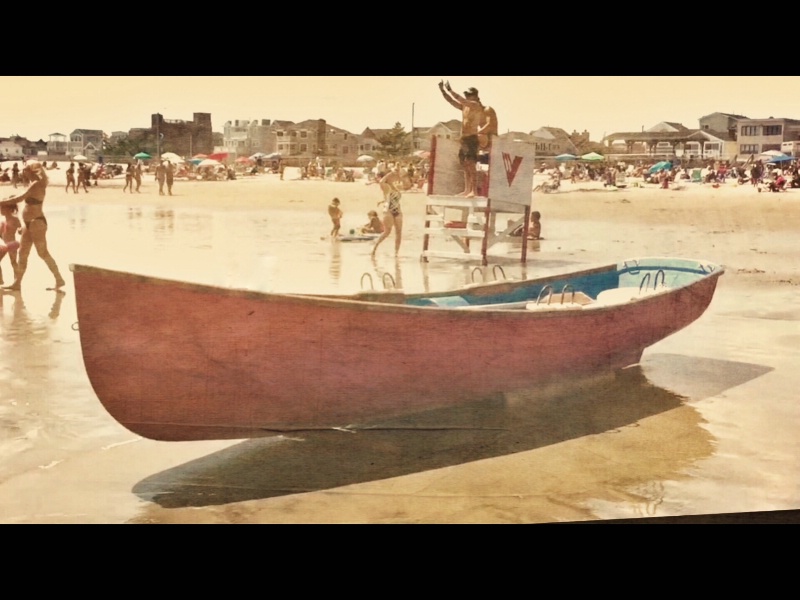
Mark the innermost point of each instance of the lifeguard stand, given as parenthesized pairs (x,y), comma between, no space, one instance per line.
(504,187)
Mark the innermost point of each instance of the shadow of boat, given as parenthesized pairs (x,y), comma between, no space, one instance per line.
(497,426)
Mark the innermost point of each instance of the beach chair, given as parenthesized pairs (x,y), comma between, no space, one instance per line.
(697,176)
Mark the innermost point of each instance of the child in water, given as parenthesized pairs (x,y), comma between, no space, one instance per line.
(8,235)
(375,225)
(336,215)
(535,228)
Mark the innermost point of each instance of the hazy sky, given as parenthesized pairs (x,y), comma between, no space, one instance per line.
(37,106)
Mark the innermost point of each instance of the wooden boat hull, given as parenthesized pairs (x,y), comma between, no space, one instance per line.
(180,361)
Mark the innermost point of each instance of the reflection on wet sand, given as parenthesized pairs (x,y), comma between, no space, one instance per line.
(495,427)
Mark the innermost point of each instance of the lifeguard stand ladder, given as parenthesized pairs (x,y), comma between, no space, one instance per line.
(505,187)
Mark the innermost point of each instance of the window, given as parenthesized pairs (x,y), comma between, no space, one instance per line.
(345,150)
(773,129)
(748,149)
(279,133)
(750,130)
(304,134)
(303,147)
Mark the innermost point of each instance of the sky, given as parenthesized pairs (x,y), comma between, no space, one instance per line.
(37,106)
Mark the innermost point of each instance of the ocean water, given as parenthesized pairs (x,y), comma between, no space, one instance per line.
(707,423)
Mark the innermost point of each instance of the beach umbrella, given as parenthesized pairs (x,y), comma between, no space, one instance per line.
(79,157)
(196,161)
(208,162)
(273,156)
(142,156)
(776,158)
(364,158)
(593,156)
(171,157)
(563,157)
(258,155)
(244,159)
(660,166)
(200,156)
(218,156)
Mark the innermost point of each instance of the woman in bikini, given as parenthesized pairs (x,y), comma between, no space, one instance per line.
(34,232)
(393,215)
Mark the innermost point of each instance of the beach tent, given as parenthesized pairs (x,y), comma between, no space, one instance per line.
(593,156)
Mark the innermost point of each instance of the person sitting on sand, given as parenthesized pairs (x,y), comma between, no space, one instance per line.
(34,233)
(375,225)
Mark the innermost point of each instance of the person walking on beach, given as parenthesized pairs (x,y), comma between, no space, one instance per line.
(161,177)
(15,175)
(170,176)
(83,176)
(393,214)
(8,236)
(129,178)
(71,178)
(336,215)
(34,232)
(137,176)
(472,117)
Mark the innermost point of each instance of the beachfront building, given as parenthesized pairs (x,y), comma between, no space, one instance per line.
(715,138)
(57,145)
(11,149)
(184,138)
(756,136)
(84,142)
(245,138)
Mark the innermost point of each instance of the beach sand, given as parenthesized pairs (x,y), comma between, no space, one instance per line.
(707,424)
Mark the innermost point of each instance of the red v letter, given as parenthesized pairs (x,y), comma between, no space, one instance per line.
(511,166)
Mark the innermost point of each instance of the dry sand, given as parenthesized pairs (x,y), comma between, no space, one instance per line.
(586,477)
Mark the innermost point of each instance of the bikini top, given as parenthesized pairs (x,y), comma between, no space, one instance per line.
(32,201)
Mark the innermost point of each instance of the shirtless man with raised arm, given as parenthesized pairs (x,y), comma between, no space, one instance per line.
(472,118)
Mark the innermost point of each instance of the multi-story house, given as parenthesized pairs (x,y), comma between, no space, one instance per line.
(760,135)
(715,138)
(86,142)
(58,145)
(11,149)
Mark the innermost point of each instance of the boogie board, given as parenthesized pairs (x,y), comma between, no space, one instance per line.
(359,237)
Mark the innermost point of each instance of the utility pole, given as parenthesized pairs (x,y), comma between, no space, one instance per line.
(158,135)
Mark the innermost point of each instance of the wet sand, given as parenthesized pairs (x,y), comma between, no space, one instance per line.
(706,424)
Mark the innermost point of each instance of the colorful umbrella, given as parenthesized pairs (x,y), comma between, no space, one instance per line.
(562,157)
(660,166)
(218,156)
(244,159)
(593,156)
(142,156)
